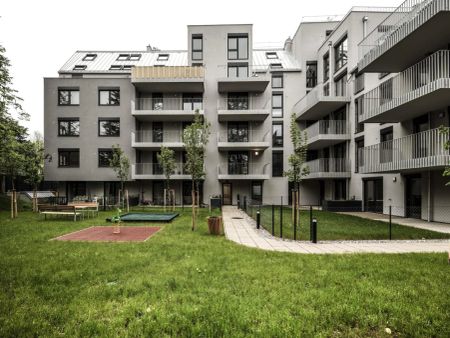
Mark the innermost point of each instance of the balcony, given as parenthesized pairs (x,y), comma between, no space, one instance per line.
(319,103)
(153,140)
(415,28)
(170,79)
(325,133)
(324,168)
(253,108)
(243,78)
(153,171)
(243,171)
(166,109)
(420,88)
(424,150)
(243,140)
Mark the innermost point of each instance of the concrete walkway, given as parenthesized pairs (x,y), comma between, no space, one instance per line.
(410,222)
(240,228)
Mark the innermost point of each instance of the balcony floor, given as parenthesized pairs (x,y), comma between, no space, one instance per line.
(326,140)
(251,84)
(165,115)
(242,115)
(255,177)
(157,145)
(229,146)
(323,107)
(327,175)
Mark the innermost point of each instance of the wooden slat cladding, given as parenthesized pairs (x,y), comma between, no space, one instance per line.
(169,72)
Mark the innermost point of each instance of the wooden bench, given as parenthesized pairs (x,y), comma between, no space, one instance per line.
(86,207)
(59,210)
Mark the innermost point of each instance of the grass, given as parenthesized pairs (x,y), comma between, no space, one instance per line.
(336,226)
(184,283)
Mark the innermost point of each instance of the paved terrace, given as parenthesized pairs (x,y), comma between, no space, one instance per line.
(240,228)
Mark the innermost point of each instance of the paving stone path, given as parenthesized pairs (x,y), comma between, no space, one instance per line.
(240,228)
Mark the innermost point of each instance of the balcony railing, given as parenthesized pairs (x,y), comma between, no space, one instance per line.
(240,70)
(410,15)
(173,103)
(243,135)
(428,75)
(326,127)
(243,168)
(151,136)
(252,102)
(328,168)
(156,169)
(415,151)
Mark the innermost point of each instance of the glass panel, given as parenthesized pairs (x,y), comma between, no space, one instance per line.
(109,128)
(104,97)
(232,71)
(197,55)
(115,97)
(277,82)
(238,163)
(277,135)
(243,71)
(197,44)
(243,48)
(232,43)
(64,97)
(75,128)
(74,97)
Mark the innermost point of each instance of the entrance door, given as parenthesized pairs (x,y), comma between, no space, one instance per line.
(227,194)
(158,193)
(414,196)
(373,195)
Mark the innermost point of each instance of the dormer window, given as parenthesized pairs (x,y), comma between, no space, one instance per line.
(163,57)
(271,55)
(79,67)
(90,57)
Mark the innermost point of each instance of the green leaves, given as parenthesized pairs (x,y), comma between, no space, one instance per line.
(297,160)
(446,131)
(166,159)
(120,163)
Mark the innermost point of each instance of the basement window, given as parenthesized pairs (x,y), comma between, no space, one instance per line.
(90,57)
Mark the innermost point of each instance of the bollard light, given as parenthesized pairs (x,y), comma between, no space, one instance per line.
(258,219)
(314,230)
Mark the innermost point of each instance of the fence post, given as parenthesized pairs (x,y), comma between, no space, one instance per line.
(390,222)
(258,219)
(295,215)
(273,219)
(281,218)
(314,230)
(310,221)
(238,201)
(245,203)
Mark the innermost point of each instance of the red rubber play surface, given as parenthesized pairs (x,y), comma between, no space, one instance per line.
(105,234)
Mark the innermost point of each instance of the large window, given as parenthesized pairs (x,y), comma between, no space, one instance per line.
(326,67)
(109,127)
(192,101)
(238,70)
(237,46)
(277,134)
(238,132)
(359,110)
(238,163)
(359,158)
(277,81)
(157,132)
(68,97)
(311,74)
(68,127)
(197,47)
(340,86)
(277,163)
(69,158)
(104,157)
(277,105)
(109,97)
(237,101)
(340,54)
(257,191)
(386,137)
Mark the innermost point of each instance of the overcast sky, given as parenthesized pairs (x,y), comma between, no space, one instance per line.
(39,36)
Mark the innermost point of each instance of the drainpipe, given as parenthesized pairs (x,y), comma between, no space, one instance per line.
(364,20)
(330,62)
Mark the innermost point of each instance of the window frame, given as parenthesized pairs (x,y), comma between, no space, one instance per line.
(69,151)
(70,120)
(269,56)
(282,104)
(340,56)
(79,67)
(274,145)
(326,67)
(163,57)
(193,50)
(109,150)
(70,90)
(308,78)
(279,163)
(278,76)
(109,96)
(89,57)
(237,37)
(107,119)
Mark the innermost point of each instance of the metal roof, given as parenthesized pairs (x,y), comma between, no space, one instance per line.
(105,59)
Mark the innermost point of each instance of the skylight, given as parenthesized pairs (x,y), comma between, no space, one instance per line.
(276,65)
(271,55)
(163,57)
(79,67)
(89,57)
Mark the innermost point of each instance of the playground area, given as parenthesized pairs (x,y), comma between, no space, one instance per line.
(106,234)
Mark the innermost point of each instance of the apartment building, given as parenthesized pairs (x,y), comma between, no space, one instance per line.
(369,88)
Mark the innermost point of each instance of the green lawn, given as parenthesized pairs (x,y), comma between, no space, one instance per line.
(335,226)
(184,283)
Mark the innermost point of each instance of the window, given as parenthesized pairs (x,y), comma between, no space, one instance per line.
(276,66)
(277,164)
(340,190)
(109,97)
(271,55)
(277,81)
(326,90)
(359,110)
(126,67)
(311,74)
(192,101)
(359,83)
(326,67)
(386,149)
(359,158)
(277,134)
(115,67)
(157,132)
(69,158)
(237,46)
(340,54)
(123,57)
(197,47)
(135,57)
(257,191)
(340,86)
(90,57)
(237,101)
(238,132)
(109,127)
(238,163)
(104,157)
(163,57)
(68,97)
(328,32)
(79,67)
(238,70)
(68,127)
(277,105)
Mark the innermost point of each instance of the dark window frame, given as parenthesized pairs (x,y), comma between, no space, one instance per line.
(276,139)
(193,50)
(163,57)
(107,119)
(68,151)
(70,120)
(341,55)
(238,66)
(70,90)
(79,67)
(108,150)
(109,97)
(310,78)
(279,165)
(278,76)
(326,67)
(237,36)
(89,57)
(282,104)
(272,56)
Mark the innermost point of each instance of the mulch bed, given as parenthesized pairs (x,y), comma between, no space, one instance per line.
(105,234)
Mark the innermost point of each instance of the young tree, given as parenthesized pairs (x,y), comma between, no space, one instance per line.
(446,132)
(297,168)
(166,159)
(33,168)
(195,138)
(121,166)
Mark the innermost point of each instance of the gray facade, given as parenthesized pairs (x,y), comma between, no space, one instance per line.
(248,94)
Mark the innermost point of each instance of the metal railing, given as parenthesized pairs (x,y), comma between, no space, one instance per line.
(327,127)
(252,102)
(410,15)
(328,167)
(428,75)
(156,169)
(241,70)
(151,136)
(319,93)
(239,168)
(169,103)
(242,135)
(415,151)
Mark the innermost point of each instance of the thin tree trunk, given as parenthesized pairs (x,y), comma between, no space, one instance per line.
(12,204)
(127,200)
(3,185)
(34,200)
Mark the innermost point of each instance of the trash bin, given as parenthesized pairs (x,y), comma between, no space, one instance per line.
(214,225)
